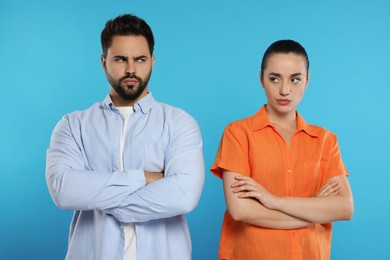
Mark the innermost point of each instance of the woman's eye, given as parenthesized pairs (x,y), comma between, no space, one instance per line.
(296,80)
(274,80)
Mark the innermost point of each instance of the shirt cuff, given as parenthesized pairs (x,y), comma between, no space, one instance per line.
(136,179)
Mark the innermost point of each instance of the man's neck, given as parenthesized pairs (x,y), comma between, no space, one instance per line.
(121,102)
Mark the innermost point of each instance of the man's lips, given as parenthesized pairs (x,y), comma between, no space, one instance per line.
(130,81)
(283,102)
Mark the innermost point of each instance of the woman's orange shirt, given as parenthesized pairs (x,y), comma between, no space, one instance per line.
(253,147)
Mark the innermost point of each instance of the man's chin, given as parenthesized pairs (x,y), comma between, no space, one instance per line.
(130,90)
(131,96)
(126,87)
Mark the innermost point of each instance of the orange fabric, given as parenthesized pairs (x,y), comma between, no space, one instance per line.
(254,148)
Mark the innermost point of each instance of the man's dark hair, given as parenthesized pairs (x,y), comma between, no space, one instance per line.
(123,25)
(284,47)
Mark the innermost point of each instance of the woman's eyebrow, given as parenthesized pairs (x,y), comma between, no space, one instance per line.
(296,74)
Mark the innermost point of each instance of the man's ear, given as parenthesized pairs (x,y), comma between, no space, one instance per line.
(103,60)
(153,60)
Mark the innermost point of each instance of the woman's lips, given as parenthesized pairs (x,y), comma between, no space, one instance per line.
(283,102)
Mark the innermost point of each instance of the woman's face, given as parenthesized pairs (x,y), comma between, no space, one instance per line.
(284,80)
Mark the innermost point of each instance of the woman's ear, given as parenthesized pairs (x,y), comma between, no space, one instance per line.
(308,79)
(261,75)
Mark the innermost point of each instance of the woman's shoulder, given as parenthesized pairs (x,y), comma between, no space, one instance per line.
(312,129)
(243,123)
(250,123)
(320,131)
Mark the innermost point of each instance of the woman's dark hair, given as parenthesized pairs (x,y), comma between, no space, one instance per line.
(126,24)
(284,47)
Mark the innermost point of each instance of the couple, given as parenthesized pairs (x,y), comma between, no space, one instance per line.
(131,167)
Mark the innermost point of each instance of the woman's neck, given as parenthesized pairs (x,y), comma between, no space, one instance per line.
(285,124)
(284,120)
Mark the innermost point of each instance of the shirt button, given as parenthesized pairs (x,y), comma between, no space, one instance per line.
(289,171)
(114,169)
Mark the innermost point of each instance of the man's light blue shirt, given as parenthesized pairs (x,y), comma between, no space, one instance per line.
(82,175)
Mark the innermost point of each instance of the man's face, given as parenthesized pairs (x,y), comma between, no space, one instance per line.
(128,66)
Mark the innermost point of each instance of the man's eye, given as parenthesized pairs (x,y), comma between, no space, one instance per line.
(120,59)
(141,60)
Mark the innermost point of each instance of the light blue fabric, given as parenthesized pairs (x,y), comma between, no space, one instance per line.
(82,175)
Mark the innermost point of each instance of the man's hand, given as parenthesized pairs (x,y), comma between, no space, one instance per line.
(153,176)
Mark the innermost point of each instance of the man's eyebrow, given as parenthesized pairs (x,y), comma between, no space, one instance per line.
(140,57)
(120,57)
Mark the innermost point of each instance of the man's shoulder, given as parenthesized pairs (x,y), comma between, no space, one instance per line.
(168,107)
(84,113)
(172,112)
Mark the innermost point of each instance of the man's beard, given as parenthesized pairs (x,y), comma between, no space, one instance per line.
(126,92)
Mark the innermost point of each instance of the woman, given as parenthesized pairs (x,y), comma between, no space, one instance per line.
(284,180)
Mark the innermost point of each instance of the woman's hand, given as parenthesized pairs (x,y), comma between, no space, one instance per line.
(330,188)
(246,187)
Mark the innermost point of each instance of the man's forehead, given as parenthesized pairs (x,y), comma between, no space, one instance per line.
(129,45)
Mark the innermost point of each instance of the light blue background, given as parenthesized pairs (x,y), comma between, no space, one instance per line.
(208,58)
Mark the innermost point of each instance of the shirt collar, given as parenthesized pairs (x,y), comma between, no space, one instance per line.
(260,120)
(143,105)
(305,127)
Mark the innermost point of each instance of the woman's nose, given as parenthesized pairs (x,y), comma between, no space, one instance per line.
(285,89)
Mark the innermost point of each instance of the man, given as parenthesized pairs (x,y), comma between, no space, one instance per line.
(130,167)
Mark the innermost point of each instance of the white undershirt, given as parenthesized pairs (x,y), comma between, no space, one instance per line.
(130,249)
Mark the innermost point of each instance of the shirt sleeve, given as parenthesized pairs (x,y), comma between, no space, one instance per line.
(232,152)
(336,165)
(179,191)
(73,186)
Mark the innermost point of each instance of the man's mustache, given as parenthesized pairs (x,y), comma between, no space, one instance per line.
(130,76)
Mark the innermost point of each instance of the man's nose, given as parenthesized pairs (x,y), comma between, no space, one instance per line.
(130,69)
